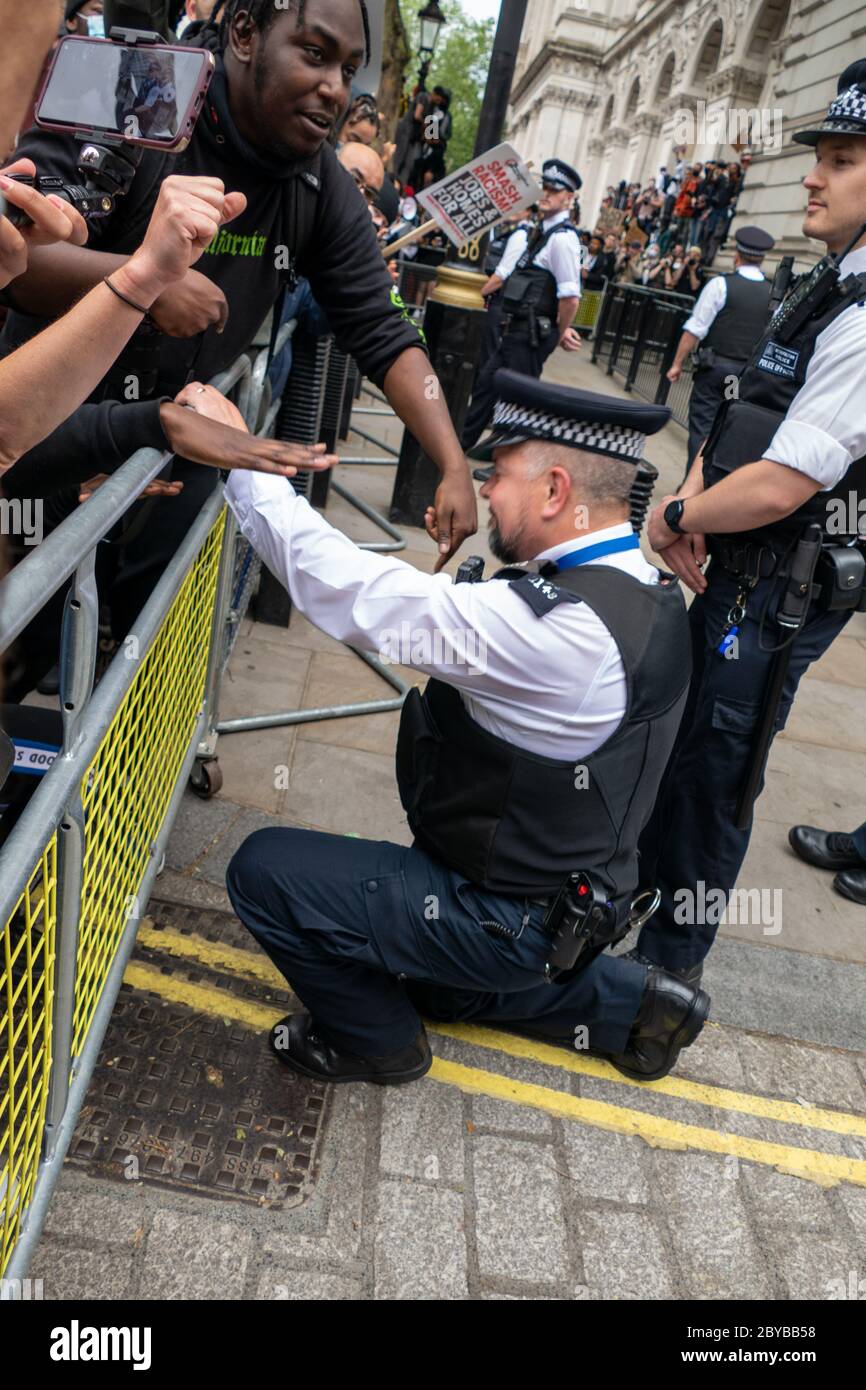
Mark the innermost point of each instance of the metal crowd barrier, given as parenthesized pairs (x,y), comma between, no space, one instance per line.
(636,337)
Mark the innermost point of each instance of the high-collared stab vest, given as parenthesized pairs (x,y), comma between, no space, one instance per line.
(742,318)
(519,822)
(744,427)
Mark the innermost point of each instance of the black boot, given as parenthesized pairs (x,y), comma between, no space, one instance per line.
(295,1042)
(826,849)
(691,974)
(670,1016)
(852,884)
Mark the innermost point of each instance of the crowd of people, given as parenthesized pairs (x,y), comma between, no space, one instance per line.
(667,232)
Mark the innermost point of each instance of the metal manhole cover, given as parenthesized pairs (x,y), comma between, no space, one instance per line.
(184,1095)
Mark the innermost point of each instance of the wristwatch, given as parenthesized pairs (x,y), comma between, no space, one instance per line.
(673,515)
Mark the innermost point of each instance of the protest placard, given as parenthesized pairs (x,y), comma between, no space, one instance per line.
(473,199)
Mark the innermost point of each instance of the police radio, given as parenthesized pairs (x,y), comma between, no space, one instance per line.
(811,292)
(580,916)
(471,571)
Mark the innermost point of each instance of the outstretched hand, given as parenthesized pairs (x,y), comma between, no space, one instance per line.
(211,430)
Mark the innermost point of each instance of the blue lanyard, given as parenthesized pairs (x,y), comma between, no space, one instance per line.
(592,552)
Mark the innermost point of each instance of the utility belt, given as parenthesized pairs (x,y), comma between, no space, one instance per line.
(704,357)
(839,575)
(525,323)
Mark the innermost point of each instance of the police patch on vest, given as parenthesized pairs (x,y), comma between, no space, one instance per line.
(540,593)
(781,361)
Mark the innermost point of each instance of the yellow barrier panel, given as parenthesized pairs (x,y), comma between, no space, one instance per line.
(26,996)
(588,309)
(128,786)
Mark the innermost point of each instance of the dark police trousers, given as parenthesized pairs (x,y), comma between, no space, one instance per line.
(691,837)
(708,393)
(514,351)
(367,933)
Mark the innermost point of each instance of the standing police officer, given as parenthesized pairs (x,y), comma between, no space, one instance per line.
(726,322)
(505,247)
(541,274)
(776,493)
(527,767)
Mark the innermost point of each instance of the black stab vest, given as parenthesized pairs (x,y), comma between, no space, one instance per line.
(743,428)
(519,822)
(741,319)
(530,286)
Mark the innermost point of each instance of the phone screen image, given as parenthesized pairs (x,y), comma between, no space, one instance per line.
(140,93)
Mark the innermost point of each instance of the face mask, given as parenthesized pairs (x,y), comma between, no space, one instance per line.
(95,26)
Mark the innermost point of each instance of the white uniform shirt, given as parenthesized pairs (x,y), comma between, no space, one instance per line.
(553,685)
(561,256)
(824,430)
(712,299)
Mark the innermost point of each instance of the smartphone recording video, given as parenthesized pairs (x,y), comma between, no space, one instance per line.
(146,94)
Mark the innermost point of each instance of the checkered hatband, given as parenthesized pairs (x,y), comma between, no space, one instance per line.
(849,105)
(619,441)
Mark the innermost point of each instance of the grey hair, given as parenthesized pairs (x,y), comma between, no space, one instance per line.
(597,479)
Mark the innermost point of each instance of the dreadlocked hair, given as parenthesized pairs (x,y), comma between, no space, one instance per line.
(263,13)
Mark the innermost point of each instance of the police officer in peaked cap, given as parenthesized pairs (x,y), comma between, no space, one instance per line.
(539,274)
(526,767)
(774,498)
(728,319)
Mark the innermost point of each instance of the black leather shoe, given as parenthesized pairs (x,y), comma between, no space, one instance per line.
(295,1042)
(670,1017)
(826,849)
(690,974)
(482,475)
(852,884)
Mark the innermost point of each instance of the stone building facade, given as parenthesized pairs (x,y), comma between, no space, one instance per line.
(613,85)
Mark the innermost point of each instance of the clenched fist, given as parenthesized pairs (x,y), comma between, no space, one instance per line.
(188,213)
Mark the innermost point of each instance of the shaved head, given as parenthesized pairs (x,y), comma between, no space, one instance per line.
(597,479)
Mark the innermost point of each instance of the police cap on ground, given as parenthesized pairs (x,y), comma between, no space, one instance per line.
(530,409)
(754,241)
(846,114)
(561,175)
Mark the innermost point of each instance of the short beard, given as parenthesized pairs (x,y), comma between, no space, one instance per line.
(506,548)
(268,142)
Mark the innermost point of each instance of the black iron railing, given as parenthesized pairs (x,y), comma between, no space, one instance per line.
(636,337)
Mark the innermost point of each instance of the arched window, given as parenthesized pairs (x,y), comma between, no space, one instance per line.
(666,78)
(633,99)
(708,59)
(768,26)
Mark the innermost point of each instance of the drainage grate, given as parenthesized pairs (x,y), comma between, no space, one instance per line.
(183,1096)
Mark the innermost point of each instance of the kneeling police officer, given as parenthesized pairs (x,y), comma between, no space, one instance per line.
(775,498)
(526,768)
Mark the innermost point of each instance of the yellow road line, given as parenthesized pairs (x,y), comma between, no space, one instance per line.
(822,1168)
(825,1169)
(258,967)
(789,1112)
(211,953)
(202,998)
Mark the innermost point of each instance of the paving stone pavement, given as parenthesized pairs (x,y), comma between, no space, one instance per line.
(541,1177)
